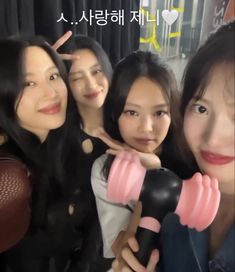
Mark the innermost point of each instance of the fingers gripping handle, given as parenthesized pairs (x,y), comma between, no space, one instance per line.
(148,241)
(147,236)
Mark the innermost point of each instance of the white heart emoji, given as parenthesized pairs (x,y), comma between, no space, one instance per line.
(170,16)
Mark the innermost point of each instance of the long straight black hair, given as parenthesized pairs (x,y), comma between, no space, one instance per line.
(76,134)
(128,70)
(41,159)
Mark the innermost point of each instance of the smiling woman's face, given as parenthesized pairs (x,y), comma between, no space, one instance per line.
(43,101)
(89,84)
(209,127)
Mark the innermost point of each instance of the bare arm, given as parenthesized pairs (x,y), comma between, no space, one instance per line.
(125,246)
(123,236)
(127,261)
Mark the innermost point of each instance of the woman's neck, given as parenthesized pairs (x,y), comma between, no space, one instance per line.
(92,119)
(227,206)
(223,221)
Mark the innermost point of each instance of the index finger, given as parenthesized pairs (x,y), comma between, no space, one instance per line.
(113,144)
(62,40)
(128,256)
(154,258)
(69,57)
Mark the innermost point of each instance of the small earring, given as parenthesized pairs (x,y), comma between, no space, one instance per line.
(3,139)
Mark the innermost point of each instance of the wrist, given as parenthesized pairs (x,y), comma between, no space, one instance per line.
(154,165)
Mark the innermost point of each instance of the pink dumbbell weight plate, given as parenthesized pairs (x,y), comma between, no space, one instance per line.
(199,198)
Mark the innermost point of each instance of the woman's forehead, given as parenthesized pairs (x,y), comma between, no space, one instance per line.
(219,77)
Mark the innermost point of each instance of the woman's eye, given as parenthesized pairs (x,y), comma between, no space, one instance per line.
(76,79)
(54,76)
(199,109)
(95,72)
(29,84)
(131,113)
(160,113)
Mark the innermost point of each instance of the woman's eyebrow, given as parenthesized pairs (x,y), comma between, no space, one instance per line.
(34,73)
(163,105)
(80,71)
(133,105)
(95,65)
(201,98)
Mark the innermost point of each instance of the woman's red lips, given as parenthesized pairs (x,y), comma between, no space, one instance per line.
(216,159)
(92,95)
(51,109)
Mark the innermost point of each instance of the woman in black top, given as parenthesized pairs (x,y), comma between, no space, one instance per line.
(33,102)
(89,79)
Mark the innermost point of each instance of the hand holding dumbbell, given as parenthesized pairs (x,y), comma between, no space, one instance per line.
(195,200)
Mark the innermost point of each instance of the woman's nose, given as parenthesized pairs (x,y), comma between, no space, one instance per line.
(219,131)
(146,124)
(91,82)
(50,90)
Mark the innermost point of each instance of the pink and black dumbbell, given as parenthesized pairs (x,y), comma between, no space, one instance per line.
(195,200)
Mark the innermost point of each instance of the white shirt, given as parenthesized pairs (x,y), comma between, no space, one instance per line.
(113,217)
